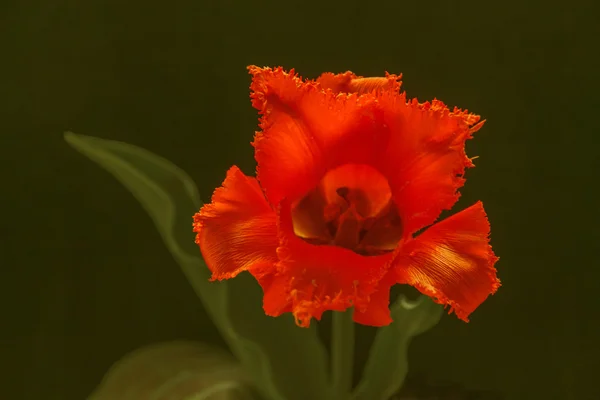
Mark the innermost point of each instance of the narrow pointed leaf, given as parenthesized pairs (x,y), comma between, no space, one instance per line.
(287,363)
(387,365)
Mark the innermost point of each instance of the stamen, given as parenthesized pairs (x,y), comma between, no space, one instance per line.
(360,216)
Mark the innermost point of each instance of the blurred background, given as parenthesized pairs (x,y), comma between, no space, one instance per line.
(85,277)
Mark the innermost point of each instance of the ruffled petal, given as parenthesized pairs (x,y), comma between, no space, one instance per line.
(307,131)
(452,262)
(310,127)
(350,83)
(317,278)
(377,312)
(237,231)
(425,158)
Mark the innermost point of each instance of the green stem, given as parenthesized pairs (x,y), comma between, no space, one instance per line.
(342,354)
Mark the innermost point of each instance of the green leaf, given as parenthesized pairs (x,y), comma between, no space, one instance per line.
(387,365)
(174,371)
(286,362)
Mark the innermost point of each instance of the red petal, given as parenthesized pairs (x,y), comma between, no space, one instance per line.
(276,299)
(320,278)
(307,131)
(425,158)
(350,83)
(452,262)
(237,231)
(368,180)
(377,312)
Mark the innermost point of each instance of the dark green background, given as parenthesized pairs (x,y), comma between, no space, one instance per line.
(85,276)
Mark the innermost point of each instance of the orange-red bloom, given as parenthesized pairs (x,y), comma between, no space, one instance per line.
(348,171)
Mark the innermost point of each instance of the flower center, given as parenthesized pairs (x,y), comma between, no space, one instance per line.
(351,207)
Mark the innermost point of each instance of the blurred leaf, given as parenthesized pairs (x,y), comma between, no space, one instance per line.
(286,362)
(174,371)
(387,365)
